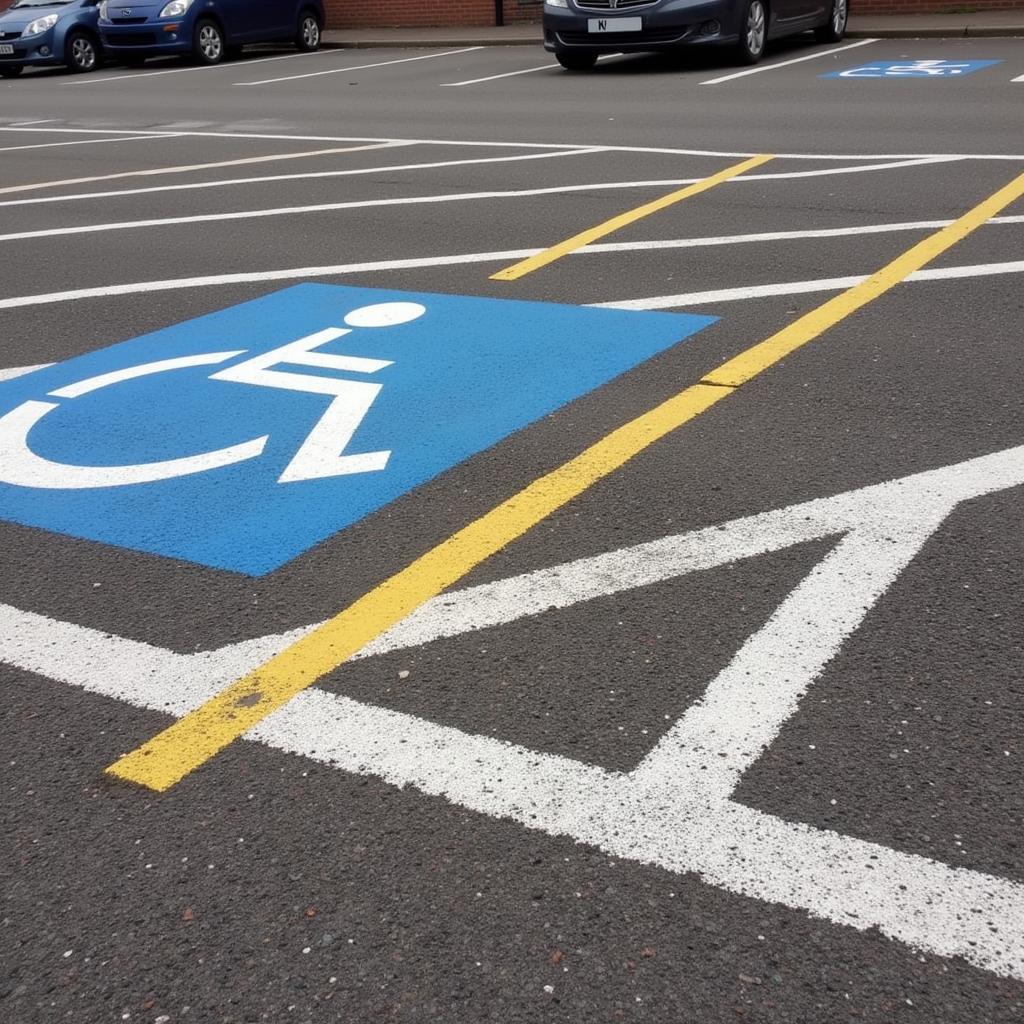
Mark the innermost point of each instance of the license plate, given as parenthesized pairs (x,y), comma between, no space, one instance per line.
(615,24)
(6,48)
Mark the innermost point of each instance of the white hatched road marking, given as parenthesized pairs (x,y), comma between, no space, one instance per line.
(456,197)
(674,809)
(304,175)
(671,151)
(658,302)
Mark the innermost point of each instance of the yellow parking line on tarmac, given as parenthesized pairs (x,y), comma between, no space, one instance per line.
(199,735)
(542,259)
(185,168)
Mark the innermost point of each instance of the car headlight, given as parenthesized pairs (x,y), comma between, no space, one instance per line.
(556,3)
(176,8)
(41,25)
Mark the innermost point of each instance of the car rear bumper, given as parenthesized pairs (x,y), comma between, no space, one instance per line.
(664,26)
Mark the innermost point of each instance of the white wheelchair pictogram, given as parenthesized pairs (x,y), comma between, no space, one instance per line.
(912,69)
(321,454)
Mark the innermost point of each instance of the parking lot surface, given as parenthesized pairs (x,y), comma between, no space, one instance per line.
(573,520)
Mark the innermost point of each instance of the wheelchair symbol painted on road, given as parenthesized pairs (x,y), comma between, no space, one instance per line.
(243,438)
(914,69)
(321,454)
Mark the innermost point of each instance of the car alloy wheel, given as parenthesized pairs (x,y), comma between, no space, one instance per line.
(81,54)
(839,11)
(755,27)
(310,33)
(209,43)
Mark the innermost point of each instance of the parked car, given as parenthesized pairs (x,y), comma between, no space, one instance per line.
(36,33)
(205,30)
(576,31)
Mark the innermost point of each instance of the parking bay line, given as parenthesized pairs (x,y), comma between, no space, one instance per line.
(154,72)
(192,740)
(554,252)
(512,74)
(187,168)
(786,63)
(363,67)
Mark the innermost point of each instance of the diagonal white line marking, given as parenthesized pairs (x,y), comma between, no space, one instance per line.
(363,67)
(512,74)
(785,63)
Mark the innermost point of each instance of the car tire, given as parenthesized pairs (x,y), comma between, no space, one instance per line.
(12,72)
(835,28)
(307,35)
(81,53)
(576,60)
(208,43)
(753,32)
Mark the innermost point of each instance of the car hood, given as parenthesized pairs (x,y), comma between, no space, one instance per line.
(21,17)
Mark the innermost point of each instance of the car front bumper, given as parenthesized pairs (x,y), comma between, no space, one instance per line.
(665,25)
(151,38)
(31,51)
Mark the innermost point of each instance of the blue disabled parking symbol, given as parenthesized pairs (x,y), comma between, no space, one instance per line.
(241,439)
(914,69)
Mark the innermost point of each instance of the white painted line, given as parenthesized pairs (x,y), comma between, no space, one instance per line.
(337,270)
(363,67)
(187,168)
(786,63)
(1017,158)
(85,142)
(233,65)
(25,124)
(1019,78)
(494,78)
(13,372)
(283,211)
(674,809)
(825,284)
(512,74)
(306,175)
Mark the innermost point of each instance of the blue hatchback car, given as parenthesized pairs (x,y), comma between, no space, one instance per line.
(44,33)
(205,30)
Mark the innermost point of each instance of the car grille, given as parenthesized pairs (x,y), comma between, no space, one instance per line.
(653,35)
(133,39)
(613,5)
(4,36)
(17,55)
(129,21)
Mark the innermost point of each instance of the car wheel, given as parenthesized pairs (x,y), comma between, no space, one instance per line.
(573,60)
(208,43)
(81,53)
(835,28)
(753,32)
(12,72)
(307,38)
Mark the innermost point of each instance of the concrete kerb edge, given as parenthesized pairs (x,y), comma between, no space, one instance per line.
(405,43)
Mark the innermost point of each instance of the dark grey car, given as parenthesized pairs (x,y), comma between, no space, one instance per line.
(577,31)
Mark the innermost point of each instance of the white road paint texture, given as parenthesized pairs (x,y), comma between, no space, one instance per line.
(674,809)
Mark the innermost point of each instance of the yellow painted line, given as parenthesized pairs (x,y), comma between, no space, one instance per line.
(199,735)
(555,252)
(186,168)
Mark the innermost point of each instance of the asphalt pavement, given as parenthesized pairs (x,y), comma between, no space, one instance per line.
(721,722)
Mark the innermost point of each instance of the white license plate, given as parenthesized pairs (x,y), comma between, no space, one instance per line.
(6,48)
(615,24)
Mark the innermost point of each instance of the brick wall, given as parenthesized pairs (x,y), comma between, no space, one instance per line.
(419,13)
